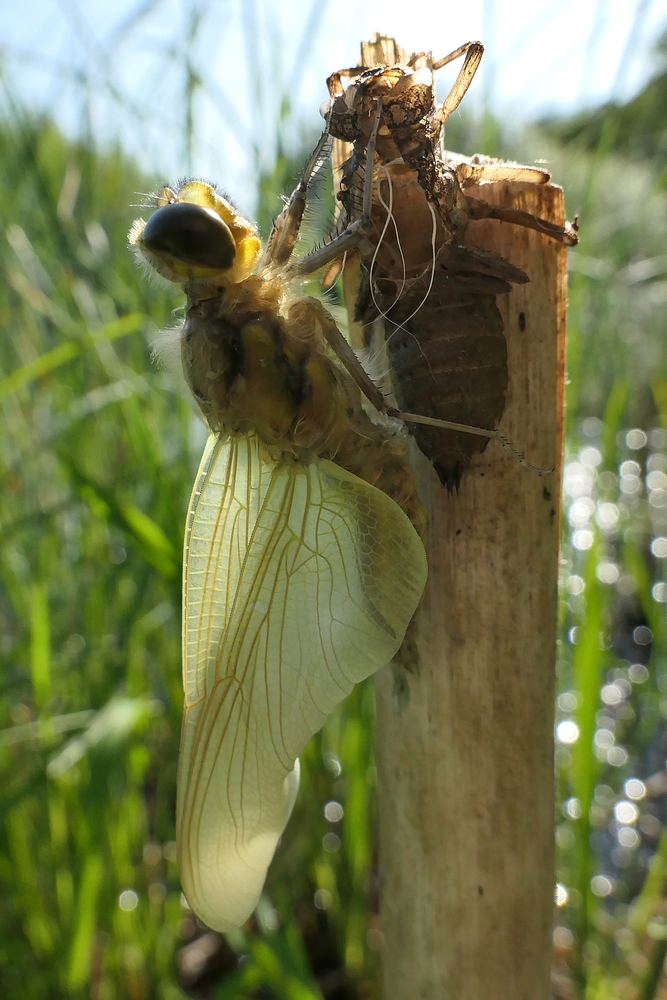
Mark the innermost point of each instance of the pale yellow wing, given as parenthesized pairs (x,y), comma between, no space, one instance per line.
(299,582)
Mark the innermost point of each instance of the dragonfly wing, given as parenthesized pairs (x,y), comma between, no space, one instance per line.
(300,582)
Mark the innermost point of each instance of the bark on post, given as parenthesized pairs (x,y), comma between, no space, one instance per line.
(465,769)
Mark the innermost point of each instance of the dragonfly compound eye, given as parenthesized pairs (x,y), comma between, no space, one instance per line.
(192,236)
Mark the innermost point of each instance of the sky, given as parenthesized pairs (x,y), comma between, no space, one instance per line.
(258,68)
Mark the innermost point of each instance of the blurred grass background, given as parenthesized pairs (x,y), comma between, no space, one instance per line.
(97,460)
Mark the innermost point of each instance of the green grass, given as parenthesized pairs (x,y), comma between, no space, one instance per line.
(97,460)
(95,468)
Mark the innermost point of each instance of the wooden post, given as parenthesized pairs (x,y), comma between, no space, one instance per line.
(465,768)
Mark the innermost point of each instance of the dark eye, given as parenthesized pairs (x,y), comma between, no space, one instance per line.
(191,234)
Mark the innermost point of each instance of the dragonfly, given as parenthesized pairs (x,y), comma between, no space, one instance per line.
(445,339)
(303,562)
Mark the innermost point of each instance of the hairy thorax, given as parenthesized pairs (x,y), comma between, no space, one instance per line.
(257,361)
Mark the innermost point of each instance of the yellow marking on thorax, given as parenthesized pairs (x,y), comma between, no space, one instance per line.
(262,394)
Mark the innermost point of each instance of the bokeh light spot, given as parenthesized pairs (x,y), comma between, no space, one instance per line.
(635,789)
(563,938)
(567,732)
(611,694)
(322,899)
(592,427)
(626,812)
(658,498)
(617,756)
(629,485)
(332,764)
(656,480)
(128,900)
(581,512)
(331,842)
(561,894)
(607,516)
(636,439)
(601,885)
(607,572)
(582,539)
(590,457)
(642,635)
(659,547)
(628,837)
(568,701)
(333,812)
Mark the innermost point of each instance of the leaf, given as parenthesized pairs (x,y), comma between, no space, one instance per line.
(151,539)
(81,948)
(70,349)
(111,727)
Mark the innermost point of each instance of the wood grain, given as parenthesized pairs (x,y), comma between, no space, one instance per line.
(465,754)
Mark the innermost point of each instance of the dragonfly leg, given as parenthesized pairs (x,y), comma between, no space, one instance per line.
(342,350)
(286,227)
(356,231)
(415,418)
(334,82)
(566,234)
(474,52)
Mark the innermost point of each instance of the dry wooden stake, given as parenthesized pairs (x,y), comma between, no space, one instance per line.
(465,745)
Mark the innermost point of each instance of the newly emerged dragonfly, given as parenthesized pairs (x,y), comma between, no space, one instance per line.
(302,565)
(445,343)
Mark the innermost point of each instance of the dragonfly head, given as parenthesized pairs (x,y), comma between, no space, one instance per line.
(196,235)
